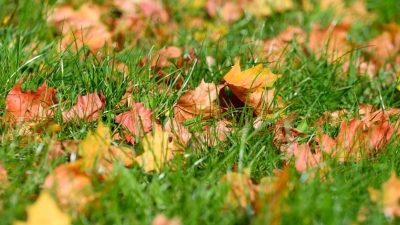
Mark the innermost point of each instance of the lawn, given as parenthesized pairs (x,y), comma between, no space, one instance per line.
(199,112)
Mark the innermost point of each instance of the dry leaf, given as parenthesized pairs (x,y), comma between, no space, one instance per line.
(389,197)
(261,8)
(176,129)
(45,212)
(162,220)
(25,106)
(137,121)
(215,133)
(72,187)
(242,192)
(250,87)
(163,57)
(198,102)
(97,152)
(81,27)
(3,177)
(87,108)
(330,40)
(157,150)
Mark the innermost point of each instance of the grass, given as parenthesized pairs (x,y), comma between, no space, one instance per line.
(192,190)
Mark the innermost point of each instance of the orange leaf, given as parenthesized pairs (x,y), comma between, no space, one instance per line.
(87,108)
(249,86)
(389,197)
(137,121)
(201,101)
(72,187)
(25,106)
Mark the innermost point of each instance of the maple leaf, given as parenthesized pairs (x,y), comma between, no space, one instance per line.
(87,108)
(45,212)
(333,38)
(176,129)
(25,106)
(242,190)
(82,26)
(271,190)
(97,152)
(250,86)
(274,49)
(201,101)
(215,133)
(304,157)
(162,220)
(162,58)
(261,8)
(3,178)
(389,197)
(137,121)
(72,187)
(157,150)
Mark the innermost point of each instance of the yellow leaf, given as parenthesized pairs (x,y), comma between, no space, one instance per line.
(157,150)
(250,86)
(94,146)
(45,212)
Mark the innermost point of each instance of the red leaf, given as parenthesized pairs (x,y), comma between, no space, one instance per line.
(88,108)
(24,106)
(137,121)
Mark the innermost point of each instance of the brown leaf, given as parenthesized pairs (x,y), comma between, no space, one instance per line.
(389,196)
(198,102)
(72,187)
(25,106)
(87,108)
(137,121)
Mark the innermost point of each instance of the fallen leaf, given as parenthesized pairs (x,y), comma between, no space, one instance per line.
(242,190)
(87,108)
(162,58)
(45,212)
(198,102)
(176,129)
(26,106)
(162,220)
(331,40)
(271,190)
(97,153)
(388,198)
(72,187)
(261,8)
(215,133)
(157,150)
(137,121)
(250,87)
(3,177)
(81,27)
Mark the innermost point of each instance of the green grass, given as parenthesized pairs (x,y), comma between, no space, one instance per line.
(192,190)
